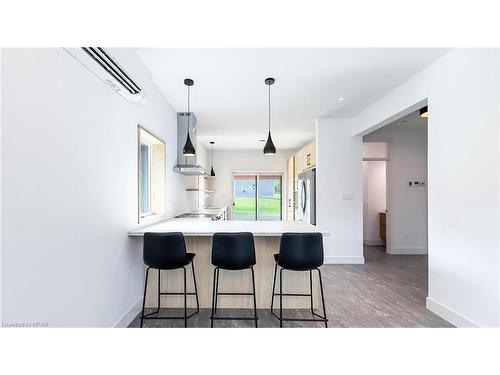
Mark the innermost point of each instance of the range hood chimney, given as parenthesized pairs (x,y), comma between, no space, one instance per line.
(187,165)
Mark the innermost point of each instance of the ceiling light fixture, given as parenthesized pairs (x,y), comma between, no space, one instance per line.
(424,112)
(212,172)
(188,149)
(341,99)
(269,148)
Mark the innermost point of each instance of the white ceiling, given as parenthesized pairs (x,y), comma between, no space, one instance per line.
(386,133)
(229,97)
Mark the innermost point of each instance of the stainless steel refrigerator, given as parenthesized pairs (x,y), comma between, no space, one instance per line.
(305,209)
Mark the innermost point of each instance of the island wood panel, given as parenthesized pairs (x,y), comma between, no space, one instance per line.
(232,281)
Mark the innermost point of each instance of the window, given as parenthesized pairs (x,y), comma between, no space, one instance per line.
(145,179)
(257,197)
(269,197)
(151,175)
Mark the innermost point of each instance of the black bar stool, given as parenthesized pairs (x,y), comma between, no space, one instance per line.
(167,251)
(235,252)
(299,252)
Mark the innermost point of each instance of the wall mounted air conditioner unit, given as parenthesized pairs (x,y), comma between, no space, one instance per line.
(100,62)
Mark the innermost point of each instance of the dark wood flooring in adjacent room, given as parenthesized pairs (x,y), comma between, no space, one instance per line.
(387,291)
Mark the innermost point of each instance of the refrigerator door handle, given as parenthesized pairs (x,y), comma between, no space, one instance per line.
(304,196)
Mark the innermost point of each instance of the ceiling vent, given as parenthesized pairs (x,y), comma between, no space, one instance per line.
(105,67)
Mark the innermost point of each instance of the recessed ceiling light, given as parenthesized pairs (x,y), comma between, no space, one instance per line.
(262,140)
(341,99)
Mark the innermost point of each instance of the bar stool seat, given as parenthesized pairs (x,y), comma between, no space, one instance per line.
(308,267)
(299,252)
(233,252)
(163,252)
(189,259)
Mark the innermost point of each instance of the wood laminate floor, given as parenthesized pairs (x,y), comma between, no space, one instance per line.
(386,291)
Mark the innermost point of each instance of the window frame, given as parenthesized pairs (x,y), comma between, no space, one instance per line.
(157,210)
(257,175)
(143,214)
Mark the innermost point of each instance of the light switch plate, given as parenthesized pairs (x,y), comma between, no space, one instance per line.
(416,183)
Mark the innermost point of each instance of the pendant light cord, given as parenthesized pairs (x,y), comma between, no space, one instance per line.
(212,155)
(269,108)
(189,108)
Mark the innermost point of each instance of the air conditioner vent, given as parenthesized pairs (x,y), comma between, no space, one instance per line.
(104,66)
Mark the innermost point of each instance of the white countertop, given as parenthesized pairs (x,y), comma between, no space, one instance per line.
(200,228)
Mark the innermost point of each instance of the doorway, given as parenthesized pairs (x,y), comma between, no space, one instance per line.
(375,201)
(257,196)
(403,145)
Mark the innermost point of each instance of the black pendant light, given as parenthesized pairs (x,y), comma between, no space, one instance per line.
(188,149)
(212,172)
(269,148)
(424,113)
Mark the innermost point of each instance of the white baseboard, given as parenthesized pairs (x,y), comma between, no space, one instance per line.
(373,242)
(344,260)
(408,250)
(129,316)
(449,315)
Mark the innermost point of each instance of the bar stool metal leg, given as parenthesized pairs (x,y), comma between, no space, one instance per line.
(274,284)
(322,318)
(184,293)
(322,298)
(254,298)
(213,300)
(217,289)
(195,288)
(281,298)
(185,299)
(144,299)
(300,252)
(311,290)
(155,257)
(159,290)
(215,293)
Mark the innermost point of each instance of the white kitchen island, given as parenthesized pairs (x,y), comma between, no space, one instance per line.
(198,235)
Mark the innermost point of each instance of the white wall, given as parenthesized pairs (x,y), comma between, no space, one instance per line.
(375,151)
(69,188)
(339,190)
(228,161)
(374,200)
(407,208)
(1,255)
(462,90)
